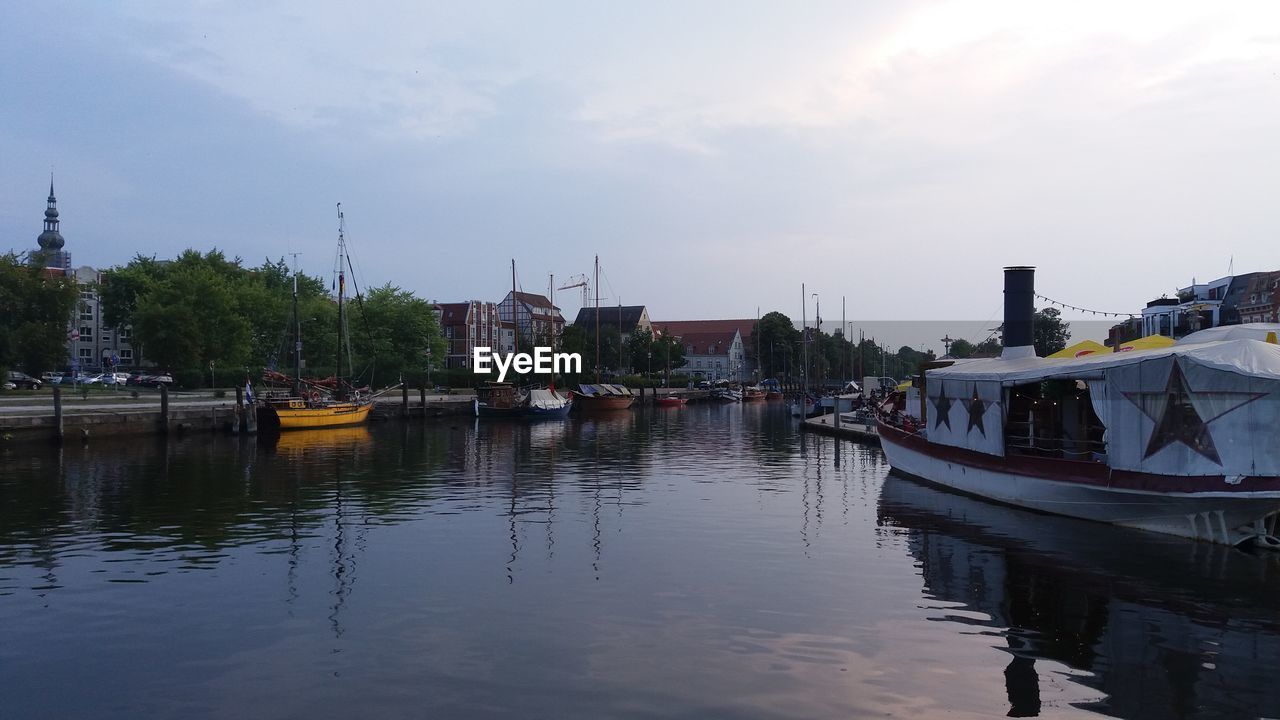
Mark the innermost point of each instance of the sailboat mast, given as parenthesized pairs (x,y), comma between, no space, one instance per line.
(804,339)
(297,333)
(597,318)
(342,282)
(515,313)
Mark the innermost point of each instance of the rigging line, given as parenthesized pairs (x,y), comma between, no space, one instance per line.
(364,318)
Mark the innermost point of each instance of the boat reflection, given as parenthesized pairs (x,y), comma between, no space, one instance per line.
(297,443)
(1163,627)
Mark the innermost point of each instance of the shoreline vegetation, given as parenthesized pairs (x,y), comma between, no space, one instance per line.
(214,321)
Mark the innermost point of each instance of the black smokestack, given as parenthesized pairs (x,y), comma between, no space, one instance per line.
(1019,310)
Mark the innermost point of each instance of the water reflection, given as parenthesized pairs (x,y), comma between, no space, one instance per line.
(706,562)
(1160,627)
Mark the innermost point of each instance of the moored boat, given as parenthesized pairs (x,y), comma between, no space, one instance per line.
(603,396)
(671,401)
(296,403)
(547,404)
(1179,440)
(752,394)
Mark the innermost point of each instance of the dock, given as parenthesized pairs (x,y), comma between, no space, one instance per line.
(848,429)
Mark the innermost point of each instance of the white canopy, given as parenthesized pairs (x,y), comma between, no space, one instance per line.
(1200,409)
(546,400)
(1248,331)
(1246,357)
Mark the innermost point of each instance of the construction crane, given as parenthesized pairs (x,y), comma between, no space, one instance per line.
(579,281)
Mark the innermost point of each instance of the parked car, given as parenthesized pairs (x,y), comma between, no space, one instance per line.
(88,379)
(50,378)
(23,380)
(149,379)
(6,385)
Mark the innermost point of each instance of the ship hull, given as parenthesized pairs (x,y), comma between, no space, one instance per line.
(310,418)
(594,403)
(1201,508)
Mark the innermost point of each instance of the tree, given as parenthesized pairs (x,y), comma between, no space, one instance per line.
(398,333)
(668,351)
(778,336)
(961,349)
(34,311)
(1050,334)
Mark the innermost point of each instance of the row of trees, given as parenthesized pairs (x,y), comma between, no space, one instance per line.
(34,308)
(641,352)
(202,309)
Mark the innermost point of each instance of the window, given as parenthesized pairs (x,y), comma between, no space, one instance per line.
(85,354)
(86,333)
(126,333)
(86,311)
(126,355)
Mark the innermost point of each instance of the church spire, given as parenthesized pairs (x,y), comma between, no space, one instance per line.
(51,254)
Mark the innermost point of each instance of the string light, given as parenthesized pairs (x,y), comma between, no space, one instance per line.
(1067,306)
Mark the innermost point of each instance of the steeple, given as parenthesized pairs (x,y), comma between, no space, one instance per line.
(51,254)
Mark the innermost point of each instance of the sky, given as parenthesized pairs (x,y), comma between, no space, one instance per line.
(715,155)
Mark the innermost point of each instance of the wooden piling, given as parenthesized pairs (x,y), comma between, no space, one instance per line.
(404,401)
(57,412)
(422,398)
(164,409)
(237,418)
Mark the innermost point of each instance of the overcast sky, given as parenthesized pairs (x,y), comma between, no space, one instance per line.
(715,155)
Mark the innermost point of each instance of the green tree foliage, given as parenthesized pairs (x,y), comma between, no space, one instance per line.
(1049,333)
(961,349)
(778,338)
(202,308)
(668,352)
(34,311)
(401,335)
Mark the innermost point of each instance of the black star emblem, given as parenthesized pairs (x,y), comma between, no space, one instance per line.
(977,409)
(943,404)
(1178,420)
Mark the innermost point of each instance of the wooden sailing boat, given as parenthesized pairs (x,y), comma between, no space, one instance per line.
(309,404)
(601,396)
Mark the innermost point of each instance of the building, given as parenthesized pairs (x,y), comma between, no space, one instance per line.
(714,349)
(468,325)
(91,343)
(1257,301)
(51,255)
(1197,306)
(629,317)
(538,320)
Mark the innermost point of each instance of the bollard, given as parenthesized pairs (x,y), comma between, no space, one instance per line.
(164,409)
(422,398)
(57,413)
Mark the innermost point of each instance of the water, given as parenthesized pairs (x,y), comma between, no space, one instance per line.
(702,562)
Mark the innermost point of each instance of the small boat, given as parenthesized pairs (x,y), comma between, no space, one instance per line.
(600,397)
(726,394)
(772,395)
(671,401)
(547,405)
(752,394)
(808,409)
(498,400)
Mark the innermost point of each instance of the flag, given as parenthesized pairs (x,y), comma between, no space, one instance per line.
(248,392)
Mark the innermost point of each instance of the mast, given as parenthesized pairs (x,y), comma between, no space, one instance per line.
(297,333)
(597,319)
(759,365)
(843,330)
(515,315)
(804,341)
(342,286)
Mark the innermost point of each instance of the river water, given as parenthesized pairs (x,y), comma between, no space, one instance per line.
(697,562)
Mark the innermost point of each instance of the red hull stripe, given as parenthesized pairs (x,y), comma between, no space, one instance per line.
(1078,471)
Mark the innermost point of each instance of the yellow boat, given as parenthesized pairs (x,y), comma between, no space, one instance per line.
(309,404)
(297,414)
